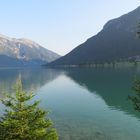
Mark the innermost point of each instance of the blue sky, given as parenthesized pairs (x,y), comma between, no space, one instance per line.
(59,25)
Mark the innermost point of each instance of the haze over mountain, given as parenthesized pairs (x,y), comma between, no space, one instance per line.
(116,41)
(23,52)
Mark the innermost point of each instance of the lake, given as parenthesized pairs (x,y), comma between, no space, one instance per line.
(85,103)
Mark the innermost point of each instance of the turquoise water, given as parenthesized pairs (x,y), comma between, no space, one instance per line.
(85,103)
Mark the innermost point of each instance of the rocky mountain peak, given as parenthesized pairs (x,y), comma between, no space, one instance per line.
(25,49)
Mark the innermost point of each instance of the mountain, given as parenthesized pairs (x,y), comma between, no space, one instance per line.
(23,52)
(116,41)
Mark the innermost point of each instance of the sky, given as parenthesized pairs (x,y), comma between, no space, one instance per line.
(59,25)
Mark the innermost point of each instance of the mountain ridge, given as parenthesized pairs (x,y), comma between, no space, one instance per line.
(26,51)
(116,41)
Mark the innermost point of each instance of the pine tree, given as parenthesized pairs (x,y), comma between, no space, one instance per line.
(136,98)
(23,120)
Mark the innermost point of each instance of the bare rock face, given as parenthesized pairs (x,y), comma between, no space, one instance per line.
(24,51)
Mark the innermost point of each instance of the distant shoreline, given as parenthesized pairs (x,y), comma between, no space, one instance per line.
(107,64)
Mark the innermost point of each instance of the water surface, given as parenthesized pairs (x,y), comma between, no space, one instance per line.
(85,103)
